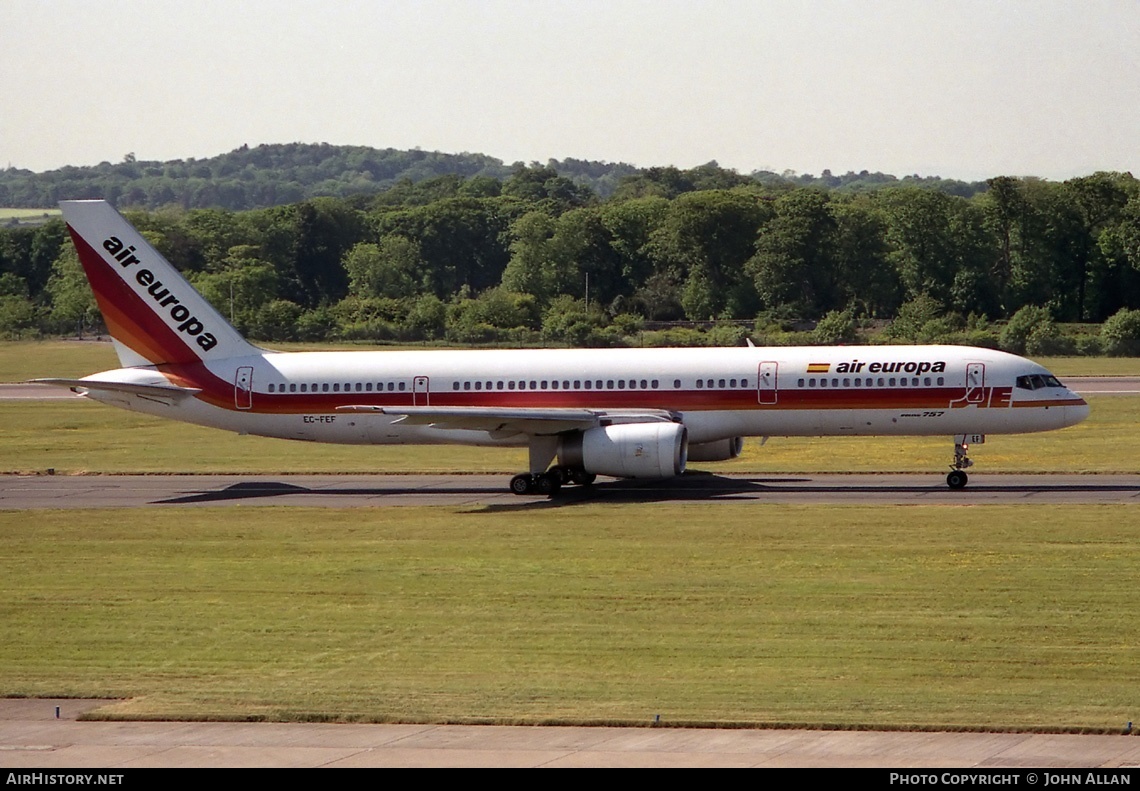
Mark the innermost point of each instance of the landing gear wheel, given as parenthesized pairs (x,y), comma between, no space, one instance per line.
(522,484)
(957,479)
(583,478)
(547,483)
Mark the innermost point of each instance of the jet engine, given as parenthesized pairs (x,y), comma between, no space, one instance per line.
(628,450)
(721,450)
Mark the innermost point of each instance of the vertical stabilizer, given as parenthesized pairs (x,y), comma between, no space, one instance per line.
(152,313)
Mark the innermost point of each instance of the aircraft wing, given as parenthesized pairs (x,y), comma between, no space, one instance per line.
(131,388)
(522,420)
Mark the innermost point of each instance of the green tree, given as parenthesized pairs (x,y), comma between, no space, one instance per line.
(706,240)
(239,291)
(388,269)
(1121,334)
(796,261)
(73,304)
(1030,330)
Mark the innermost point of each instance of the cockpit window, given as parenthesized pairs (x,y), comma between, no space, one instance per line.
(1038,381)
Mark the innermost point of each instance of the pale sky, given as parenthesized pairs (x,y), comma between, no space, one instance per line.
(959,89)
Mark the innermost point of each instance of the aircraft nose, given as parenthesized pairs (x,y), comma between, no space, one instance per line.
(1075,413)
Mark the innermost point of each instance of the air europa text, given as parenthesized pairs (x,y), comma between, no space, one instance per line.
(184,321)
(912,367)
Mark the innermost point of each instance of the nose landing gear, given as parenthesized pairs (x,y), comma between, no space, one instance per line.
(957,479)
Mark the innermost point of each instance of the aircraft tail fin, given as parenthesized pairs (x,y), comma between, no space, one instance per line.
(152,313)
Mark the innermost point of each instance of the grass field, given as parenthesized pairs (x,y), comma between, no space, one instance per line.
(926,617)
(7,213)
(975,617)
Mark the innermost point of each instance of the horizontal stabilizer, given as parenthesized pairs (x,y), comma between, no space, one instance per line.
(153,391)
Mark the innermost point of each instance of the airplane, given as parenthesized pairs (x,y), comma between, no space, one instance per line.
(625,413)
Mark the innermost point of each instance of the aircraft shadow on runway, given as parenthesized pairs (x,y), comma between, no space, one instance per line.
(687,488)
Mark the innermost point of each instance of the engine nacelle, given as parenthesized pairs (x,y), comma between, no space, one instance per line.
(628,450)
(721,450)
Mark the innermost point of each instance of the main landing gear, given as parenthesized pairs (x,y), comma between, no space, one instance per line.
(549,482)
(957,479)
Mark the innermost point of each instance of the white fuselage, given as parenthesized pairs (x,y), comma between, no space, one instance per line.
(717,393)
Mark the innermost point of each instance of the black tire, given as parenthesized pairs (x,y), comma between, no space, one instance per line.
(522,484)
(546,484)
(957,479)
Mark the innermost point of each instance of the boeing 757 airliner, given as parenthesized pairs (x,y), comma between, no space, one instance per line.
(628,413)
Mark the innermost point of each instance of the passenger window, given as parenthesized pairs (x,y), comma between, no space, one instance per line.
(293,388)
(720,384)
(403,386)
(478,385)
(676,384)
(846,382)
(336,387)
(653,384)
(325,387)
(304,388)
(455,385)
(700,384)
(941,381)
(800,383)
(498,385)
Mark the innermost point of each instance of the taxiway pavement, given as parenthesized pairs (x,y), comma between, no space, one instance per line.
(31,737)
(350,491)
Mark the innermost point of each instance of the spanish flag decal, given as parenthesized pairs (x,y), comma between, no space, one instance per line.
(818,368)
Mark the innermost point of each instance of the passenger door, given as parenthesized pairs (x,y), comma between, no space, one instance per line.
(766,383)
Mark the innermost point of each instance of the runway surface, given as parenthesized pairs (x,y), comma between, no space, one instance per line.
(1085,385)
(352,491)
(30,736)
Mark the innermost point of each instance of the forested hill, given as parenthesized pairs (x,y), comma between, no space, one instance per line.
(278,174)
